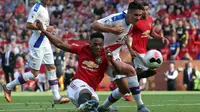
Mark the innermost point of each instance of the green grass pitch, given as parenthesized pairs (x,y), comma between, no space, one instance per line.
(156,101)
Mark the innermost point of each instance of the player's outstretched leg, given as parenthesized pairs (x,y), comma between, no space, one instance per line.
(18,81)
(146,74)
(61,100)
(110,108)
(7,93)
(143,108)
(90,105)
(102,109)
(53,82)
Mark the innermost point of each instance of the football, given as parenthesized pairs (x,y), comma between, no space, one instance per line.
(153,59)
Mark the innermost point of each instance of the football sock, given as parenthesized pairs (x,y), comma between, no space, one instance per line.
(53,82)
(84,97)
(112,98)
(135,89)
(20,80)
(40,86)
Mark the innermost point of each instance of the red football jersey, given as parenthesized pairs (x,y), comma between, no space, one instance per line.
(90,68)
(140,34)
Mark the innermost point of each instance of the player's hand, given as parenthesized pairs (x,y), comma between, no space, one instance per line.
(117,30)
(39,25)
(133,53)
(51,29)
(165,40)
(109,54)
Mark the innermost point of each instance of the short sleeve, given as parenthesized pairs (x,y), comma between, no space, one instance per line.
(33,14)
(76,49)
(107,21)
(112,19)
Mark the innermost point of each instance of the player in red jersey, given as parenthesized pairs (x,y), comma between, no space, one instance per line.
(115,28)
(92,64)
(137,48)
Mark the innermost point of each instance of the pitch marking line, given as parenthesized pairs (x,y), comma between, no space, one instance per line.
(46,103)
(159,105)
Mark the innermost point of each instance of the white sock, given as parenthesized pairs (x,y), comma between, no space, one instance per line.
(112,98)
(20,80)
(40,87)
(134,87)
(53,82)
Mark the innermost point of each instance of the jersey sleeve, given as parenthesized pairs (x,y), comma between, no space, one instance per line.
(33,14)
(107,21)
(76,49)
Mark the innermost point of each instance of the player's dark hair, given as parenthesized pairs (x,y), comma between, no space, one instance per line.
(135,5)
(96,35)
(145,4)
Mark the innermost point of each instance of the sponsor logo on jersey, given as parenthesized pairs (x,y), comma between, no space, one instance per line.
(90,64)
(146,33)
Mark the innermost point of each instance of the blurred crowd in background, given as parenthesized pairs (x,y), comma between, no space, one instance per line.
(177,20)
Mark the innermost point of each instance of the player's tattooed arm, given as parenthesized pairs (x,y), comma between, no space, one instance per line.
(54,40)
(108,29)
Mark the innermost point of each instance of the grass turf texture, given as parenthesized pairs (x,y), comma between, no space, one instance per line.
(155,101)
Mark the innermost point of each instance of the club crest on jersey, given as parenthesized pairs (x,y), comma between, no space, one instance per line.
(98,60)
(90,64)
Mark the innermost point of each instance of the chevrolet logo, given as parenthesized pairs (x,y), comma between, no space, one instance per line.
(90,64)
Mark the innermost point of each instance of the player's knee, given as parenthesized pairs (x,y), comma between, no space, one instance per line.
(50,67)
(131,71)
(84,97)
(35,72)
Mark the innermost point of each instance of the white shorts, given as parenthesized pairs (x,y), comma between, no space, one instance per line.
(41,78)
(37,56)
(139,63)
(116,56)
(74,89)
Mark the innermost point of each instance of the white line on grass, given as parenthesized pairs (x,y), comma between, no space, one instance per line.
(157,105)
(44,103)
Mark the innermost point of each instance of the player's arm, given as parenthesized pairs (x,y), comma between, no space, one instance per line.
(106,25)
(156,36)
(129,46)
(55,41)
(113,63)
(31,26)
(119,66)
